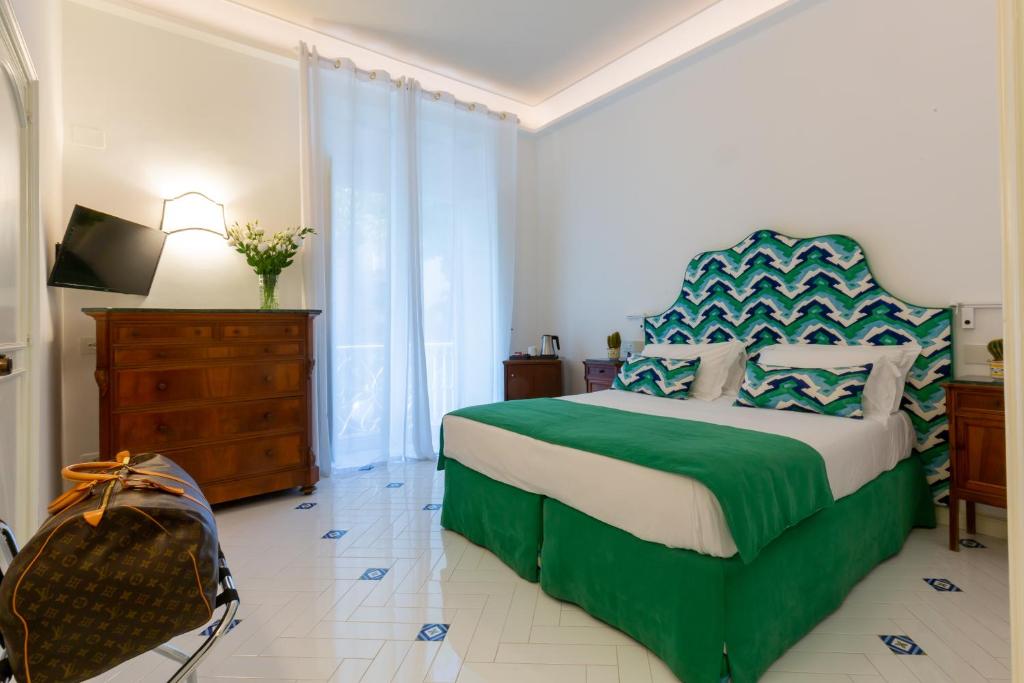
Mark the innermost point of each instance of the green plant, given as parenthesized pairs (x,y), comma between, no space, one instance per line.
(995,349)
(267,254)
(614,340)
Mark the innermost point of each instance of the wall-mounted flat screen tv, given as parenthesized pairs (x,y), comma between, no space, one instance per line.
(107,254)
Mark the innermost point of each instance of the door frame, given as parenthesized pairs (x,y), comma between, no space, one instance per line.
(21,77)
(1011,63)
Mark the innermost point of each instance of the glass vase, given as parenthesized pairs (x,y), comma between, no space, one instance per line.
(268,291)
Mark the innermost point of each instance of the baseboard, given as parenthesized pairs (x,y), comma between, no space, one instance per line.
(987,525)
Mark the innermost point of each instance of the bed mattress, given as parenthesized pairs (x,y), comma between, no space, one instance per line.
(662,507)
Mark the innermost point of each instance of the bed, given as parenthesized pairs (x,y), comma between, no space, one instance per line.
(716,570)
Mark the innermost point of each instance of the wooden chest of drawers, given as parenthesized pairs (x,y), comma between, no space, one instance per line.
(225,394)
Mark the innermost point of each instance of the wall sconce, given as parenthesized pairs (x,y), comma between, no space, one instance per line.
(193,211)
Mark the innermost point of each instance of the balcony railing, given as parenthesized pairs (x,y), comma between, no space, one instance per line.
(360,400)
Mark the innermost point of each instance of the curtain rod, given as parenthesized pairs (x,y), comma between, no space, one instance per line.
(337,63)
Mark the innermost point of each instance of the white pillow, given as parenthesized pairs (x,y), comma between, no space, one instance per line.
(886,382)
(721,364)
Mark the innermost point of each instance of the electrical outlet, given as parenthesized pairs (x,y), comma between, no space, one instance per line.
(87,345)
(967,317)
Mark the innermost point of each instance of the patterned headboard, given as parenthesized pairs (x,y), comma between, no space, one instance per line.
(771,289)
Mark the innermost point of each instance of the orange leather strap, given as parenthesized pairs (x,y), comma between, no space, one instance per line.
(89,474)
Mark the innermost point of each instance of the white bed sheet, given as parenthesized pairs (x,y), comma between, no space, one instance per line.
(662,507)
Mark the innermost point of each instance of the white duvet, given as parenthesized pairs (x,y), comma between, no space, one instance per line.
(666,508)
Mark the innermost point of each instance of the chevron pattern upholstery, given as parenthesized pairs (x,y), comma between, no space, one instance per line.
(662,377)
(835,391)
(771,289)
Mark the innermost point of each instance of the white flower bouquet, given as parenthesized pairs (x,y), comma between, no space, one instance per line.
(267,254)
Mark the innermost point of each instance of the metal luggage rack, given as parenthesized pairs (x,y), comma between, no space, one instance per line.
(227,598)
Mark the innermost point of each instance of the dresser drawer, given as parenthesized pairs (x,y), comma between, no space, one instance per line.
(262,331)
(267,350)
(147,431)
(124,334)
(162,354)
(217,462)
(980,400)
(136,388)
(137,356)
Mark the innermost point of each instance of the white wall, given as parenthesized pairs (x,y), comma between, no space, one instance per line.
(40,23)
(874,118)
(175,114)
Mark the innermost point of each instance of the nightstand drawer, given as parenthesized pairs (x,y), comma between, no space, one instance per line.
(602,372)
(980,400)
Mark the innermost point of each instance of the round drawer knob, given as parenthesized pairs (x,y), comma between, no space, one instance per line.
(266,349)
(512,374)
(161,354)
(269,452)
(161,386)
(162,428)
(267,415)
(268,378)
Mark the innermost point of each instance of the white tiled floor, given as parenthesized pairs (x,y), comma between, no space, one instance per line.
(307,615)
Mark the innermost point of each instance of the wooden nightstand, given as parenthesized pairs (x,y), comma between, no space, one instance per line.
(534,378)
(600,373)
(977,449)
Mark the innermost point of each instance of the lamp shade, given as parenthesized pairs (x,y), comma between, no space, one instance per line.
(193,211)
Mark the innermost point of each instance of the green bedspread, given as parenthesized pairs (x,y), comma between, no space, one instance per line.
(765,483)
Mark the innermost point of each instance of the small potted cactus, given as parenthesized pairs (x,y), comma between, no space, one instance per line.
(614,345)
(995,366)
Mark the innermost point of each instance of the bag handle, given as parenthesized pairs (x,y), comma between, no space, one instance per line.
(78,471)
(111,470)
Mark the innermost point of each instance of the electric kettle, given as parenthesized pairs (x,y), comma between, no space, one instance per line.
(549,346)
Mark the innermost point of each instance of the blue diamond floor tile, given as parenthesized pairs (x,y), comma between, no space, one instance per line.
(971,543)
(394,485)
(433,632)
(335,534)
(305,506)
(374,574)
(208,631)
(432,506)
(943,585)
(902,645)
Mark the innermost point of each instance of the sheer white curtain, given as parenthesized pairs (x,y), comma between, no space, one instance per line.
(414,197)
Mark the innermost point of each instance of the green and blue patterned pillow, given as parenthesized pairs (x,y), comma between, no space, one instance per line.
(828,391)
(662,377)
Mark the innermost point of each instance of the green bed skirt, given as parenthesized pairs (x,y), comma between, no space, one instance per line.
(687,607)
(501,518)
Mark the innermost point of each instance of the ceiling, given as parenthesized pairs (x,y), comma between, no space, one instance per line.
(540,60)
(527,50)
